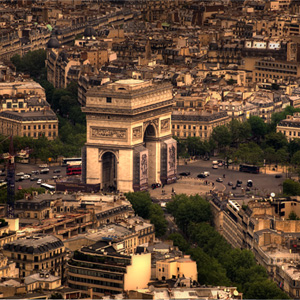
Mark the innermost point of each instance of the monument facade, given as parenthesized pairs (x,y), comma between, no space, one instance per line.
(129,144)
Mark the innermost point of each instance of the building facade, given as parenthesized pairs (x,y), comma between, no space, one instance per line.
(129,142)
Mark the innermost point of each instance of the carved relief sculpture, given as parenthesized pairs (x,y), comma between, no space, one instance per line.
(151,122)
(165,125)
(137,133)
(108,133)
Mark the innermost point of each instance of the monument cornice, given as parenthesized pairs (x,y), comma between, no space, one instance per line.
(127,112)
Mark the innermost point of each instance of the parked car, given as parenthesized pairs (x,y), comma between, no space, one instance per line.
(234,187)
(34,179)
(26,176)
(54,177)
(219,179)
(278,176)
(239,181)
(2,174)
(215,166)
(35,172)
(220,164)
(39,181)
(155,185)
(238,185)
(19,179)
(20,187)
(20,174)
(185,173)
(206,173)
(202,175)
(56,171)
(230,183)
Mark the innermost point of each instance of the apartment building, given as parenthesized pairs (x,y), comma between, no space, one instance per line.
(275,71)
(37,252)
(290,126)
(103,268)
(198,123)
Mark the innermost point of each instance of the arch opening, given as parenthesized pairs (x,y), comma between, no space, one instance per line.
(109,172)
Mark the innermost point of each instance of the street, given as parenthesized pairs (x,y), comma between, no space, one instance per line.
(263,184)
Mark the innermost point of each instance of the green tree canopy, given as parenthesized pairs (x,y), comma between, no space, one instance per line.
(291,188)
(221,136)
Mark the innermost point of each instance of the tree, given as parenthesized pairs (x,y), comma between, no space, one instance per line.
(141,203)
(263,289)
(157,218)
(179,241)
(258,127)
(189,209)
(291,188)
(221,136)
(293,216)
(296,159)
(56,296)
(276,140)
(240,131)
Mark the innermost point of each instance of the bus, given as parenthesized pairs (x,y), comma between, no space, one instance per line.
(48,187)
(249,169)
(71,161)
(73,170)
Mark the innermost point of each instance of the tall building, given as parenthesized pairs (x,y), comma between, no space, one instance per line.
(129,140)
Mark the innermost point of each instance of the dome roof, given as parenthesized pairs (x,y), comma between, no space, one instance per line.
(53,43)
(89,31)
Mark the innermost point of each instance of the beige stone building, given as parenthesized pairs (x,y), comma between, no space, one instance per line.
(129,144)
(35,253)
(177,267)
(197,124)
(290,127)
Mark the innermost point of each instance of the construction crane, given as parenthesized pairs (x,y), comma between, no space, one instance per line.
(10,177)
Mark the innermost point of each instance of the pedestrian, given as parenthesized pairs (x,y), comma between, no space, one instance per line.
(172,190)
(213,184)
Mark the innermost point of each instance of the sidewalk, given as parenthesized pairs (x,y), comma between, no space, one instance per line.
(188,186)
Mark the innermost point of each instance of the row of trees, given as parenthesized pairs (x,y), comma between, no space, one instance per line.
(145,208)
(64,102)
(253,142)
(217,262)
(20,194)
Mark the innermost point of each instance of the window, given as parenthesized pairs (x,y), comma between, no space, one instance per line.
(108,99)
(29,128)
(177,126)
(54,133)
(24,127)
(49,134)
(173,126)
(44,126)
(8,104)
(49,126)
(21,104)
(34,127)
(54,126)
(39,126)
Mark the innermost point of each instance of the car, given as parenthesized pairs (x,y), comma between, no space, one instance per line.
(278,176)
(185,173)
(56,171)
(155,185)
(54,177)
(239,181)
(206,158)
(35,172)
(247,189)
(39,181)
(238,185)
(234,187)
(25,176)
(44,171)
(220,164)
(2,174)
(20,187)
(230,183)
(43,166)
(215,166)
(249,183)
(19,179)
(206,173)
(20,174)
(219,179)
(202,175)
(34,179)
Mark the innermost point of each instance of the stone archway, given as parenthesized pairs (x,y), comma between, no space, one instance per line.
(150,143)
(109,171)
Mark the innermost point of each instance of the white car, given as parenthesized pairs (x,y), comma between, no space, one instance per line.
(20,174)
(54,177)
(206,173)
(39,181)
(26,176)
(215,166)
(43,166)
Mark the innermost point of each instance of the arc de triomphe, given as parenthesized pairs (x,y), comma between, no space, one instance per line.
(129,144)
